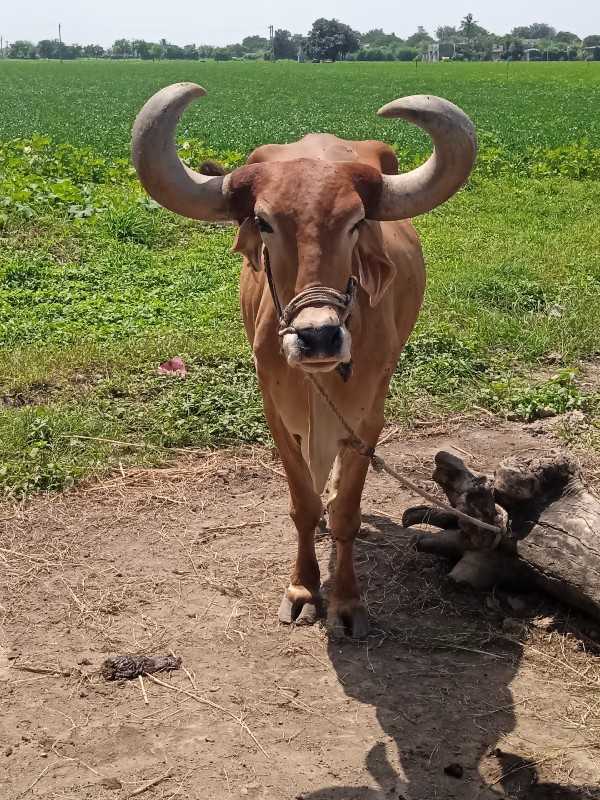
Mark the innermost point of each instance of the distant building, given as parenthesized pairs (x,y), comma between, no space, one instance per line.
(433,51)
(436,51)
(592,53)
(497,51)
(532,54)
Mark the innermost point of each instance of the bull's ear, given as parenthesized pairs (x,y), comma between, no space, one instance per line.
(375,269)
(248,242)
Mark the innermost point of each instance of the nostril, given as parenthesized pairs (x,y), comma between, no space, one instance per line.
(306,338)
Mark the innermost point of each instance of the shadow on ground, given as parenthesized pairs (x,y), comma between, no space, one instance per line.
(439,684)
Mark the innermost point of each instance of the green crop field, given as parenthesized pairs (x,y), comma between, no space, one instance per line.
(94,103)
(98,285)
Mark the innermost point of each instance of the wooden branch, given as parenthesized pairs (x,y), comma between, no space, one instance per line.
(553,539)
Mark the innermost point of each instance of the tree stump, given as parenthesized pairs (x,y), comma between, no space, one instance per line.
(552,523)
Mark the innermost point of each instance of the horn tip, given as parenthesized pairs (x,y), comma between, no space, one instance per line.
(416,104)
(413,102)
(193,88)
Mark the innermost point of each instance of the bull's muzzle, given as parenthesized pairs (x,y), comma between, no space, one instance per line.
(315,337)
(322,342)
(317,342)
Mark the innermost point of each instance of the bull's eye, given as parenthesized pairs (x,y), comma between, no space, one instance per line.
(356,226)
(263,225)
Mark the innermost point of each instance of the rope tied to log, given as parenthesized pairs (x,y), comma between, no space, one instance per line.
(345,302)
(379,465)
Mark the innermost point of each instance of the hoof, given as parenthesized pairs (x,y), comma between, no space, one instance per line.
(301,611)
(352,621)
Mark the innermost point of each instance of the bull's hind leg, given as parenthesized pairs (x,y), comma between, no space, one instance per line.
(301,602)
(347,614)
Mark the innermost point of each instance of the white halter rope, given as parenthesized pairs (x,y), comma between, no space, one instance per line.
(309,297)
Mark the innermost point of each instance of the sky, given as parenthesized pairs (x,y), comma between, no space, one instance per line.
(219,23)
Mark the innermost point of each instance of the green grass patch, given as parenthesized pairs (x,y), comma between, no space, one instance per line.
(525,402)
(91,306)
(98,284)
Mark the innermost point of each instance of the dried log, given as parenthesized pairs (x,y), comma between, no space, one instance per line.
(552,517)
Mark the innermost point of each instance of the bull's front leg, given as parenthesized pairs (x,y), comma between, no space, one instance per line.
(347,614)
(302,601)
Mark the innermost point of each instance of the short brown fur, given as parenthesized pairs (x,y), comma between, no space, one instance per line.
(313,188)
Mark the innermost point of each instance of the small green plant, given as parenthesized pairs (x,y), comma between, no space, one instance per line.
(216,407)
(193,152)
(527,403)
(130,224)
(35,463)
(438,361)
(577,160)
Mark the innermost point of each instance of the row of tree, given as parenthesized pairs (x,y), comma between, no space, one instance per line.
(473,42)
(331,40)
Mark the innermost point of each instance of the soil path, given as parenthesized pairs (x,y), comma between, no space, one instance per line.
(193,559)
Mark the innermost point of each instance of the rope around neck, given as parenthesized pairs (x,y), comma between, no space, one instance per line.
(379,465)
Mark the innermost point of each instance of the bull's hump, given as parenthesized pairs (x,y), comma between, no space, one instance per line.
(324,146)
(315,146)
(329,148)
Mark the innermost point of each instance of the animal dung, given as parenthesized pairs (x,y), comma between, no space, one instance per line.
(131,665)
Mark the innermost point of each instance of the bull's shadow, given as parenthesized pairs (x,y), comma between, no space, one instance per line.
(437,669)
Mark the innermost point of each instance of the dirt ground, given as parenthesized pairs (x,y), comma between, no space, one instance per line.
(453,695)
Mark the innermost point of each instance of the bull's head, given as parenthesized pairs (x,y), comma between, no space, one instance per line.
(306,220)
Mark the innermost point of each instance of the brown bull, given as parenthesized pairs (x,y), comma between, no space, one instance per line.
(320,220)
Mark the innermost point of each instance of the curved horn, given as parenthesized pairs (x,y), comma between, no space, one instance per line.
(162,173)
(448,167)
